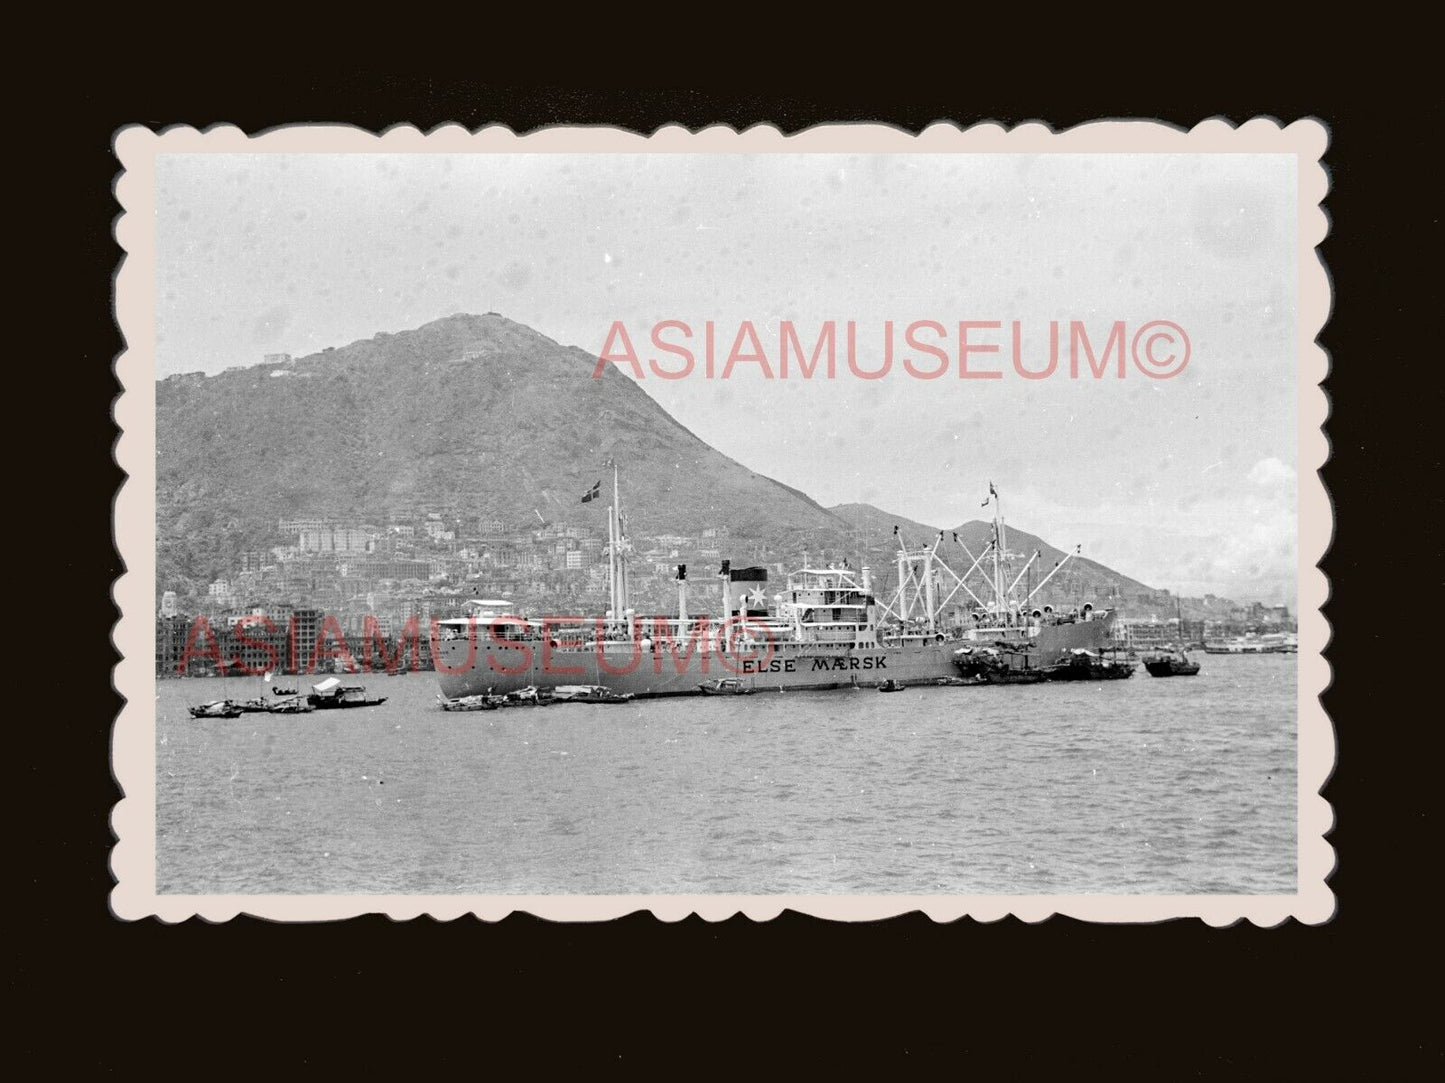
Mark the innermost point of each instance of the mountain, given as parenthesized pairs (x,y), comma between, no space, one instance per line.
(1089,575)
(875,527)
(473,414)
(482,416)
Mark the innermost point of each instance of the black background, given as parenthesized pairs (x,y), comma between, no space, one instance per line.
(1174,999)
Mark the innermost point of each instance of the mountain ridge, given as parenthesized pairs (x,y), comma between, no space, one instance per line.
(1084,575)
(473,414)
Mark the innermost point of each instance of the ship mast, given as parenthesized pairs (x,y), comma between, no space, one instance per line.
(612,562)
(616,541)
(616,568)
(999,542)
(621,567)
(997,545)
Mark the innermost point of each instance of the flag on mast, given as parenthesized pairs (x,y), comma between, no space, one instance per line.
(992,492)
(593,493)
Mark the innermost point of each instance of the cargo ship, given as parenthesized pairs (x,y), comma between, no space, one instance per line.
(827,629)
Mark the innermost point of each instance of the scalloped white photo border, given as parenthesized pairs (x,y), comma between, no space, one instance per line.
(133,818)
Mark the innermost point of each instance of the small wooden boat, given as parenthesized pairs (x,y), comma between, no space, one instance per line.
(531,696)
(283,691)
(217,708)
(891,686)
(589,693)
(291,705)
(725,686)
(478,702)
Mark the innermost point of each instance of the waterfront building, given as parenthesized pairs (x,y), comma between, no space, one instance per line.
(171,634)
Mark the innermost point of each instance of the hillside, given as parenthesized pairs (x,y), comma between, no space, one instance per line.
(875,527)
(976,533)
(482,416)
(468,413)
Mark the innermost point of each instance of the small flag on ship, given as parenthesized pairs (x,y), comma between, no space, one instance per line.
(992,492)
(592,493)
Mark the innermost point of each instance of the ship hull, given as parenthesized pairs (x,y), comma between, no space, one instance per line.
(646,673)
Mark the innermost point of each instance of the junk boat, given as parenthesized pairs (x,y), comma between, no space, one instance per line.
(217,708)
(726,686)
(1016,676)
(331,694)
(1081,665)
(1004,664)
(1173,663)
(827,629)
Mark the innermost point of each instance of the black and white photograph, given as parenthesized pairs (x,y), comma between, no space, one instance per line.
(855,521)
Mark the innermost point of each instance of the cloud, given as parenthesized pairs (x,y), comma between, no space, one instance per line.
(1271,472)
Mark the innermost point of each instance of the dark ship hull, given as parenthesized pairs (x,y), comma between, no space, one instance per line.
(1171,667)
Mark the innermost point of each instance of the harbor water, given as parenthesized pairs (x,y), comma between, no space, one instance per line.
(1147,786)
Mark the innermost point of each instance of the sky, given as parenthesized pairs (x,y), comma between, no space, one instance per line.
(1187,483)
